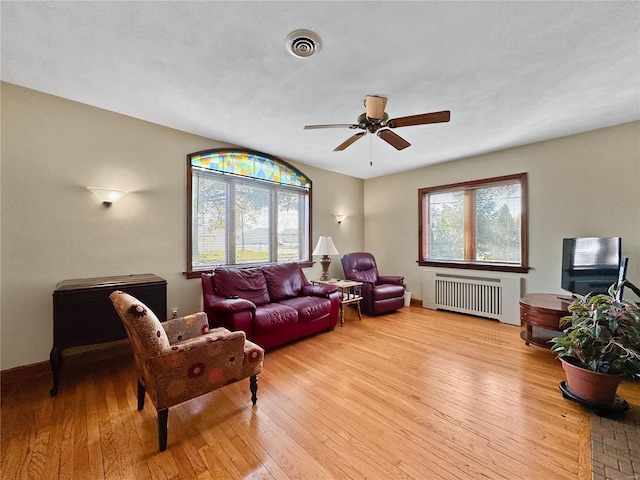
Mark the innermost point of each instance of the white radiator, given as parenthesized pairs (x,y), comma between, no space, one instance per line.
(480,293)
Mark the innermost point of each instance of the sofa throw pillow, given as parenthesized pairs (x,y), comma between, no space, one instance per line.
(284,280)
(247,283)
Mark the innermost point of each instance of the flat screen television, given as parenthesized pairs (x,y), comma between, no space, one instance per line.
(590,265)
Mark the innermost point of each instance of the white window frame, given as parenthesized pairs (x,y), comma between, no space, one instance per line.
(231,182)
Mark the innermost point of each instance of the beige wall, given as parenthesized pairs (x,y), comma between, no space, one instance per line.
(53,228)
(582,185)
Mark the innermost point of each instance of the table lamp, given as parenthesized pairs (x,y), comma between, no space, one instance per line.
(325,247)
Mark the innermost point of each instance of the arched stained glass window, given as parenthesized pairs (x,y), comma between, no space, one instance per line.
(245,208)
(250,165)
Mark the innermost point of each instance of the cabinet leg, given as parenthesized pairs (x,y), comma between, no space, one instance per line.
(55,357)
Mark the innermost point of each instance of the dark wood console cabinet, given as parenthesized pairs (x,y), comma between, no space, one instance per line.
(84,315)
(540,313)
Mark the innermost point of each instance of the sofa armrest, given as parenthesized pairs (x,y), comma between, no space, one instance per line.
(318,290)
(234,314)
(215,303)
(231,305)
(184,328)
(393,279)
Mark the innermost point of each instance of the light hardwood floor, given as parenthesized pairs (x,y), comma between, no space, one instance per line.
(413,395)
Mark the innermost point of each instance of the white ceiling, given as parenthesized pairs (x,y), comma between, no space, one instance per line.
(511,73)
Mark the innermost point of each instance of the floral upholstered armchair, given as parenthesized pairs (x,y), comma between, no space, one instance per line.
(181,358)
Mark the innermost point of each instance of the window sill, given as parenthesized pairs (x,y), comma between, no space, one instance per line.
(494,267)
(198,273)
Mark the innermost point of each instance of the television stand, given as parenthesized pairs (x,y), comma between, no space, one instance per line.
(540,313)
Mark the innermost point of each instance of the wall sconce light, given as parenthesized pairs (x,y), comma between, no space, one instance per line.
(107,195)
(340,217)
(325,247)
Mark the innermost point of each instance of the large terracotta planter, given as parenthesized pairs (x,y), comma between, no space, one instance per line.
(591,386)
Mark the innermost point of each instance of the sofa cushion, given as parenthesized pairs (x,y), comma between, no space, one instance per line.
(272,317)
(248,283)
(384,291)
(309,308)
(284,280)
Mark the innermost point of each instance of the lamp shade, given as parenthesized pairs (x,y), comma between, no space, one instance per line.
(107,195)
(375,106)
(340,217)
(325,246)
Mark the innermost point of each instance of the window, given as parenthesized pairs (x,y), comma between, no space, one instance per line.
(480,224)
(245,208)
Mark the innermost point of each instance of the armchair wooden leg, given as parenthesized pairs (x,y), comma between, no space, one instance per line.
(141,392)
(253,385)
(163,420)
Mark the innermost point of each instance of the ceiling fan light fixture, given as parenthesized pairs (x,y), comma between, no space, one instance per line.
(375,106)
(303,43)
(376,121)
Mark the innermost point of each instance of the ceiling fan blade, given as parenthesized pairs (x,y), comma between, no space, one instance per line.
(349,141)
(375,106)
(421,119)
(393,139)
(331,125)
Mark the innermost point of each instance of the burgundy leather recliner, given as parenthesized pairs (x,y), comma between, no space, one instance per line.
(380,294)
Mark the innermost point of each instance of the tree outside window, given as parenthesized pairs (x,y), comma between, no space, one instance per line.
(479,224)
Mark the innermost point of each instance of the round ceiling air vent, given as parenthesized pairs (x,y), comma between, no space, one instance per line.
(303,43)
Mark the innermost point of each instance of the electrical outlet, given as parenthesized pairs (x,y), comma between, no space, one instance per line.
(174,312)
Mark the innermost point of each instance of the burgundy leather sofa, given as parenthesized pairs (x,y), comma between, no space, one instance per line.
(380,294)
(273,305)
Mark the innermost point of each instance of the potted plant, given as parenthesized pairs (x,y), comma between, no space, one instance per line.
(600,345)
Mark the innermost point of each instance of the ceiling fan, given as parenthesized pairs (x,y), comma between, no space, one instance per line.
(376,120)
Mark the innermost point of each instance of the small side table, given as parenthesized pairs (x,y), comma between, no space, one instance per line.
(543,311)
(350,292)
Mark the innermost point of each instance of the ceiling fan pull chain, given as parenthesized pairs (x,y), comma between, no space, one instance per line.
(370,151)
